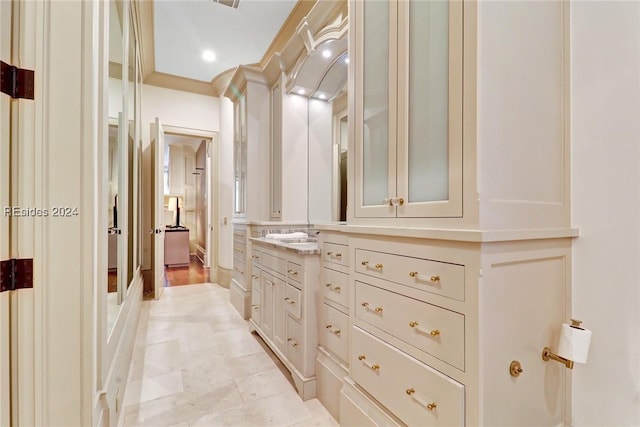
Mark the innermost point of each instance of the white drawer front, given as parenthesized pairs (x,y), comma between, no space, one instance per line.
(274,263)
(256,257)
(430,276)
(335,253)
(416,393)
(295,272)
(239,249)
(334,331)
(293,301)
(295,343)
(435,330)
(256,308)
(335,286)
(256,283)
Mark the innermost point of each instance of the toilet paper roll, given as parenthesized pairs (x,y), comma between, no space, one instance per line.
(574,343)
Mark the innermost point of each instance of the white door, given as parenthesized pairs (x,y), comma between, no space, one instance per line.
(157,141)
(5,55)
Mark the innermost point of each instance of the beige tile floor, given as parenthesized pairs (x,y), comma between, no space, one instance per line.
(196,364)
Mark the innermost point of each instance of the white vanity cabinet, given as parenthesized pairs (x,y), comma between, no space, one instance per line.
(288,309)
(435,326)
(241,282)
(334,325)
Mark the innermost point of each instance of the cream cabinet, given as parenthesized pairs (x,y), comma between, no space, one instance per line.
(241,282)
(453,130)
(436,324)
(408,108)
(286,314)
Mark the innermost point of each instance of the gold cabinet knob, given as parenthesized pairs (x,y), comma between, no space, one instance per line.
(329,253)
(378,266)
(328,285)
(338,255)
(365,263)
(364,304)
(337,289)
(328,326)
(293,342)
(434,333)
(515,368)
(336,332)
(375,367)
(410,391)
(413,274)
(362,357)
(413,324)
(401,201)
(435,279)
(289,271)
(378,309)
(432,406)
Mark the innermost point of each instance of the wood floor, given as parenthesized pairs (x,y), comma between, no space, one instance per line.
(191,275)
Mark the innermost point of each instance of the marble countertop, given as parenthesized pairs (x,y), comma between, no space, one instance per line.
(304,248)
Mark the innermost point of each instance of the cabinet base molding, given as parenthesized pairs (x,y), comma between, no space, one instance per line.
(305,386)
(358,409)
(330,375)
(224,276)
(240,299)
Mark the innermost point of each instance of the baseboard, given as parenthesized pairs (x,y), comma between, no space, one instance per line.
(224,276)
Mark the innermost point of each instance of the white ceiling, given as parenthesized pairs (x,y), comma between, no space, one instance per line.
(183,29)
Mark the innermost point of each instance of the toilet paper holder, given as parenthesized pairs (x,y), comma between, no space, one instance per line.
(548,354)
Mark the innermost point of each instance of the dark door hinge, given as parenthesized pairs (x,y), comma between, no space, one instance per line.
(16,82)
(16,274)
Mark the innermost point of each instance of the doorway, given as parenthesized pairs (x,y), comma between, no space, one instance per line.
(187,207)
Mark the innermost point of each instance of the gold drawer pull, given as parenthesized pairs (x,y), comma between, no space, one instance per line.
(289,271)
(292,342)
(338,255)
(335,288)
(424,278)
(433,332)
(329,253)
(373,367)
(364,304)
(365,263)
(335,332)
(429,405)
(378,266)
(289,300)
(378,309)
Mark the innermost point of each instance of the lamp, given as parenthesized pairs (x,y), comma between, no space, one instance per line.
(175,203)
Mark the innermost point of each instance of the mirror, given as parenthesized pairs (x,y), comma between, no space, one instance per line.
(328,140)
(115,169)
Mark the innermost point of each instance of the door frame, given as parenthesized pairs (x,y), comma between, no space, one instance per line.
(212,191)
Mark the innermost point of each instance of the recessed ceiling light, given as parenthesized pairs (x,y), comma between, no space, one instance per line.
(301,92)
(322,96)
(326,53)
(208,55)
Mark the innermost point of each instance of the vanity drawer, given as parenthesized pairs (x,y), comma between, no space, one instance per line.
(238,270)
(239,249)
(334,331)
(295,344)
(336,253)
(293,301)
(239,236)
(256,283)
(430,328)
(276,264)
(295,271)
(437,277)
(256,301)
(256,257)
(335,286)
(413,391)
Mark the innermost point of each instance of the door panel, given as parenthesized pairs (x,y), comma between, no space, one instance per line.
(157,141)
(5,128)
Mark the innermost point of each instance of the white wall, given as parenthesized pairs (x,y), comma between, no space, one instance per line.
(605,102)
(225,184)
(175,108)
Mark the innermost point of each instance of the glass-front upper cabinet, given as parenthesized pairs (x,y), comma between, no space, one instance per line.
(408,109)
(240,155)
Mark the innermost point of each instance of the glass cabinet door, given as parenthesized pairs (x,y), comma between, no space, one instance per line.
(375,107)
(429,167)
